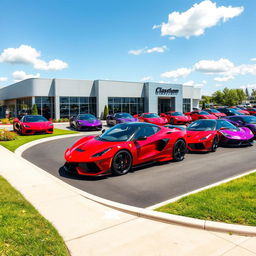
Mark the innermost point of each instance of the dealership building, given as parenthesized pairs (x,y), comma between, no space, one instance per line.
(62,98)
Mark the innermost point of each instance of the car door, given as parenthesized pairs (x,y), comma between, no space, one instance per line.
(146,144)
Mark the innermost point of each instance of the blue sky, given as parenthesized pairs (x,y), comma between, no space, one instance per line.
(210,44)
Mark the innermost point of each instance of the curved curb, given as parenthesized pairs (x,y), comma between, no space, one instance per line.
(140,212)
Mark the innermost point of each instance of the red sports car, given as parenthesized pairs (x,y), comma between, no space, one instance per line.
(123,146)
(152,118)
(206,135)
(32,124)
(252,111)
(175,117)
(195,115)
(243,112)
(215,112)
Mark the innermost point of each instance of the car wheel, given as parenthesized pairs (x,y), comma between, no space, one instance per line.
(215,144)
(121,163)
(179,150)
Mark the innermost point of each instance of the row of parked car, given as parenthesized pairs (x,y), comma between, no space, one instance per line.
(147,137)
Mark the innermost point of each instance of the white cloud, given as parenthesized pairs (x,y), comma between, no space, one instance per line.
(195,20)
(181,72)
(159,49)
(190,83)
(219,85)
(204,82)
(172,37)
(20,75)
(146,78)
(253,59)
(3,79)
(25,54)
(212,66)
(253,86)
(223,79)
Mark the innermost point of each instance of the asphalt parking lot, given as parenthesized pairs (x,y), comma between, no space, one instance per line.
(152,184)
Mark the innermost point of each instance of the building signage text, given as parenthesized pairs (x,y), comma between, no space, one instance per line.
(162,91)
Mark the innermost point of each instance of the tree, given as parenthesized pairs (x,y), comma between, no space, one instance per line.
(34,110)
(218,97)
(106,112)
(247,93)
(240,95)
(253,95)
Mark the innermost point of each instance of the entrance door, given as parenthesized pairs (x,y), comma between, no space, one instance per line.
(166,104)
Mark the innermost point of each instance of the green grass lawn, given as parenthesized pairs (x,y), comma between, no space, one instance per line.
(233,202)
(14,144)
(23,231)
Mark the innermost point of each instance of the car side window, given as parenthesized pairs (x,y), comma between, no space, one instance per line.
(147,131)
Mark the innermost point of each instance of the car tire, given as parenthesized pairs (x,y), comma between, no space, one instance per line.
(179,150)
(215,144)
(121,163)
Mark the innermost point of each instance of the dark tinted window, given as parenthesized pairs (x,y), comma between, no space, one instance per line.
(150,115)
(147,131)
(249,119)
(31,119)
(202,125)
(225,124)
(86,117)
(120,132)
(123,115)
(203,113)
(177,114)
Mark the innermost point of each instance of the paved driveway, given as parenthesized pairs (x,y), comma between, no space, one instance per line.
(151,184)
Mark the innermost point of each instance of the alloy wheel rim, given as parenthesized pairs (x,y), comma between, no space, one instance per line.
(180,150)
(122,162)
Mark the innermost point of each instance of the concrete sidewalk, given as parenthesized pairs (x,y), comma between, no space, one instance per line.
(90,228)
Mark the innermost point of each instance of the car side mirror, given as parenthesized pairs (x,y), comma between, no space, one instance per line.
(102,131)
(142,138)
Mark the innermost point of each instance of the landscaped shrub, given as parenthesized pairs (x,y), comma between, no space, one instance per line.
(6,135)
(106,112)
(6,121)
(34,110)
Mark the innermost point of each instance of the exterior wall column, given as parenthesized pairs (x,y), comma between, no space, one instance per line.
(57,107)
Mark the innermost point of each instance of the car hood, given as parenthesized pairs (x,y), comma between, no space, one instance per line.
(36,125)
(157,120)
(195,136)
(125,120)
(90,122)
(85,148)
(219,114)
(182,118)
(208,116)
(243,134)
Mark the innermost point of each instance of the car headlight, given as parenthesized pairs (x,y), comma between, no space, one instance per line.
(226,134)
(27,126)
(101,153)
(251,132)
(50,124)
(206,137)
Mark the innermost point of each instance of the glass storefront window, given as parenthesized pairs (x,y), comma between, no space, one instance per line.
(64,99)
(77,105)
(186,105)
(126,104)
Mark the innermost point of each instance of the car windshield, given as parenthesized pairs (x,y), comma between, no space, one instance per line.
(34,119)
(202,125)
(123,115)
(214,111)
(151,115)
(225,124)
(86,117)
(177,114)
(249,119)
(234,111)
(203,113)
(120,132)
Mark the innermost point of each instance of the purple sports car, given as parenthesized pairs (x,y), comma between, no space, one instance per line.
(118,118)
(85,122)
(245,121)
(233,135)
